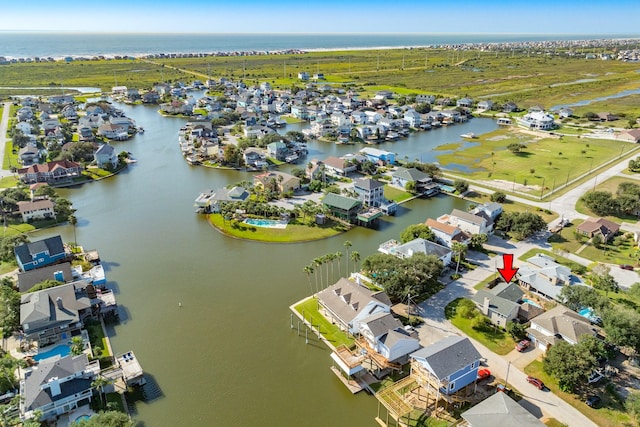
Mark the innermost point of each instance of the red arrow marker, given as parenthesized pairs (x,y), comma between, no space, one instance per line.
(507,271)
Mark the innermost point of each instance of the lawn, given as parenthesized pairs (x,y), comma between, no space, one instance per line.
(610,185)
(8,182)
(495,339)
(10,157)
(609,415)
(295,232)
(331,332)
(547,162)
(395,194)
(97,337)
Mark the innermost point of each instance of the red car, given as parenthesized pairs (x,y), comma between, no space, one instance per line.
(535,382)
(523,345)
(626,267)
(483,373)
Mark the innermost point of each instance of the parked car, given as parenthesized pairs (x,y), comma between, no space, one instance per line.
(535,382)
(595,376)
(626,267)
(523,345)
(483,373)
(593,401)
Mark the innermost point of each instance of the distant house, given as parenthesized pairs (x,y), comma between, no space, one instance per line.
(29,154)
(151,97)
(447,234)
(607,117)
(338,166)
(370,191)
(283,181)
(39,209)
(345,208)
(468,222)
(407,250)
(51,172)
(500,304)
(106,156)
(57,386)
(277,150)
(303,75)
(485,105)
(464,103)
(348,304)
(214,200)
(54,314)
(422,183)
(413,118)
(379,157)
(425,99)
(538,120)
(499,410)
(544,276)
(565,113)
(113,131)
(490,210)
(510,107)
(559,324)
(448,365)
(631,135)
(598,226)
(40,253)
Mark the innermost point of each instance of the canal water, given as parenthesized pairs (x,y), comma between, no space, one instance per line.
(207,315)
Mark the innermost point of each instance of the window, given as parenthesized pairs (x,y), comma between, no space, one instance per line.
(452,385)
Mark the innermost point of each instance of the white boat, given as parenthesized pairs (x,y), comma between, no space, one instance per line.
(470,135)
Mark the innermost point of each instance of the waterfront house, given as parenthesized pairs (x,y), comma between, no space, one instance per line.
(565,113)
(464,103)
(54,314)
(342,207)
(598,226)
(447,234)
(339,166)
(28,154)
(422,183)
(40,253)
(379,157)
(284,182)
(370,191)
(60,272)
(347,304)
(255,157)
(59,171)
(413,118)
(425,99)
(499,410)
(468,222)
(106,156)
(537,120)
(490,211)
(448,365)
(151,97)
(38,209)
(277,150)
(510,107)
(213,201)
(500,304)
(544,276)
(485,105)
(57,386)
(406,250)
(559,324)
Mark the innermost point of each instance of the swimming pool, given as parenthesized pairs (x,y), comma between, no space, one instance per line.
(589,314)
(266,223)
(80,418)
(61,350)
(533,303)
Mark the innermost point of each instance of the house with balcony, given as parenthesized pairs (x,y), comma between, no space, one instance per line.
(57,386)
(537,120)
(422,183)
(35,210)
(337,166)
(446,366)
(348,304)
(370,191)
(447,234)
(106,156)
(284,182)
(559,324)
(342,207)
(468,222)
(54,314)
(51,172)
(40,253)
(379,157)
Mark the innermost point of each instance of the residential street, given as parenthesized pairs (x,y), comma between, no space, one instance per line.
(436,327)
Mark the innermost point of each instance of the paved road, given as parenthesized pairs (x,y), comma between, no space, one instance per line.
(436,327)
(4,124)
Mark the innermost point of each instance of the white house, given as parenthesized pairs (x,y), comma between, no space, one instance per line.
(406,250)
(106,155)
(538,120)
(386,335)
(39,209)
(413,118)
(472,224)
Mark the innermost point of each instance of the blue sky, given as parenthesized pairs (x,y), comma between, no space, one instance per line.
(326,16)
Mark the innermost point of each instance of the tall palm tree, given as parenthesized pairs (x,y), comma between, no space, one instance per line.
(325,261)
(73,221)
(458,249)
(99,384)
(308,270)
(347,245)
(332,257)
(318,263)
(338,256)
(355,257)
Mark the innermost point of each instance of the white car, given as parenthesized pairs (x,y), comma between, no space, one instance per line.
(595,376)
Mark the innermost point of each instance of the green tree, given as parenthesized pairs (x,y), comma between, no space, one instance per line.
(477,240)
(521,224)
(632,405)
(410,186)
(622,327)
(458,249)
(99,383)
(416,231)
(460,185)
(498,197)
(9,307)
(423,108)
(347,244)
(600,202)
(73,221)
(568,364)
(466,309)
(77,346)
(107,419)
(517,330)
(8,244)
(355,257)
(579,297)
(515,147)
(602,279)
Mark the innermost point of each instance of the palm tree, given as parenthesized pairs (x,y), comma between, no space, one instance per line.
(347,245)
(355,257)
(318,263)
(458,249)
(325,261)
(308,270)
(338,256)
(331,257)
(74,221)
(99,383)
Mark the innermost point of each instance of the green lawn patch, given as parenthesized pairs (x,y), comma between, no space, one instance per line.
(97,337)
(291,119)
(296,231)
(10,157)
(609,415)
(8,182)
(495,339)
(395,194)
(331,332)
(552,422)
(6,267)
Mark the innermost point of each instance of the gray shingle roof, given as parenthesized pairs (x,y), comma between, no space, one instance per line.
(380,323)
(561,320)
(30,278)
(448,355)
(58,306)
(500,410)
(509,291)
(26,251)
(346,299)
(412,174)
(424,246)
(367,184)
(497,304)
(474,219)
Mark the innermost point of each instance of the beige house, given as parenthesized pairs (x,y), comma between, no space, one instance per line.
(40,209)
(284,181)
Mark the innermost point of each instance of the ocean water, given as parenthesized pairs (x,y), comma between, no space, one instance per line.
(18,44)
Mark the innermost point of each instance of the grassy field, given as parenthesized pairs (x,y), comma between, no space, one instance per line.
(610,414)
(545,161)
(10,156)
(331,332)
(395,194)
(494,339)
(610,185)
(295,232)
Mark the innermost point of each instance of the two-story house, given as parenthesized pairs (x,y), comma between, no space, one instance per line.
(501,304)
(370,191)
(422,183)
(559,324)
(448,365)
(468,222)
(407,250)
(447,234)
(38,209)
(40,253)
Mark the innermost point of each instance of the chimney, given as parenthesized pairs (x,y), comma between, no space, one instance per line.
(59,303)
